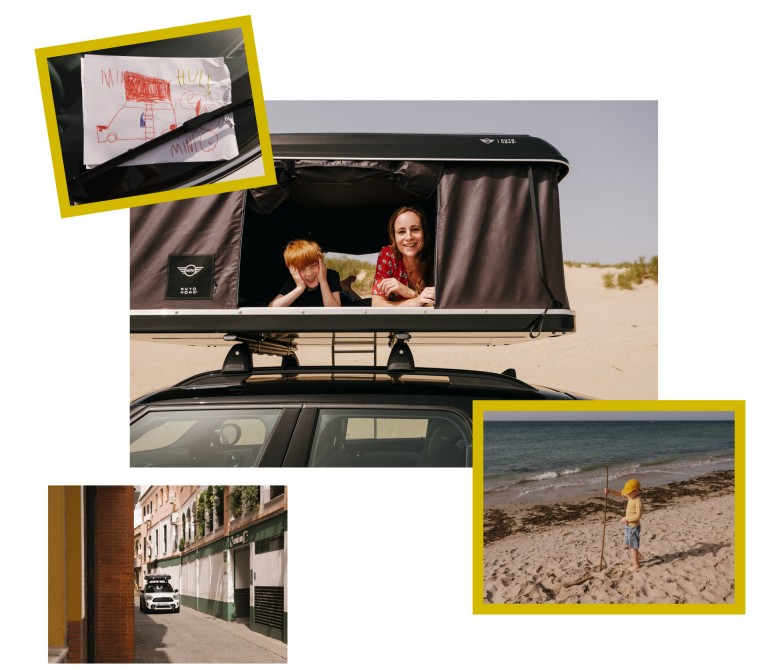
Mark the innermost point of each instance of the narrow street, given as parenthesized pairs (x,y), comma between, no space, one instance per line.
(193,637)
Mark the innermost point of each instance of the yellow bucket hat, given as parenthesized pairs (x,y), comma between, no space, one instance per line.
(630,486)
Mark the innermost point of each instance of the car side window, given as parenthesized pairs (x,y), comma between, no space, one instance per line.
(205,437)
(382,427)
(389,436)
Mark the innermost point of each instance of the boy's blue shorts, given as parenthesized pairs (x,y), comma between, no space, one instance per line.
(632,536)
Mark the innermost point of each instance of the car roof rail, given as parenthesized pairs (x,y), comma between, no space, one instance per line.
(216,378)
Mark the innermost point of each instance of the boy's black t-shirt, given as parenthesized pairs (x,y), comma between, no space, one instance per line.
(312,297)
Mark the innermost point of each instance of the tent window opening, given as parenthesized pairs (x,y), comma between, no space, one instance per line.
(349,222)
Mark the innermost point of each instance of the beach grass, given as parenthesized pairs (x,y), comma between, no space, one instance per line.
(365,272)
(632,272)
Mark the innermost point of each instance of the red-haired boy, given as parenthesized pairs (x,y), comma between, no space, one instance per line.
(313,284)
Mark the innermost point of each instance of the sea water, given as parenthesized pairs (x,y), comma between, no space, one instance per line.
(527,461)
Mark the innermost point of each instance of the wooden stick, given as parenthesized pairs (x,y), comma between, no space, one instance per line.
(605,518)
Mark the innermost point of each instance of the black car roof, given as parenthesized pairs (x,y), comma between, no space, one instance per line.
(357,375)
(313,383)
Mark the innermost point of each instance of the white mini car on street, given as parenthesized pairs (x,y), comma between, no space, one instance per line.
(158,595)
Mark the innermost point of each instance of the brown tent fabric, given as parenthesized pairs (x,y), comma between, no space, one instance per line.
(208,225)
(267,199)
(340,171)
(486,253)
(417,178)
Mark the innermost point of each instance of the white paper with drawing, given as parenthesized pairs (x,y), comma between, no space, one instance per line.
(128,101)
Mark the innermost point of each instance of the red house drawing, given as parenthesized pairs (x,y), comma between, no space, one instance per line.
(147,112)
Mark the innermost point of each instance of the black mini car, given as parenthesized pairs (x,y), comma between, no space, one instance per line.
(209,267)
(337,416)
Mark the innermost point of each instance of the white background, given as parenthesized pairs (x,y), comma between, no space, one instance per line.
(380,562)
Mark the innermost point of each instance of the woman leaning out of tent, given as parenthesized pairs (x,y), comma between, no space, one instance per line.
(403,267)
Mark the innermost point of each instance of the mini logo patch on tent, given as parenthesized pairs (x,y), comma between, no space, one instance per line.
(190,277)
(190,270)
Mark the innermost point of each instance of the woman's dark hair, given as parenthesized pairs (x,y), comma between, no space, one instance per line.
(423,262)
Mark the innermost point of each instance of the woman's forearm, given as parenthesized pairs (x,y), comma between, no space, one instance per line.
(381,301)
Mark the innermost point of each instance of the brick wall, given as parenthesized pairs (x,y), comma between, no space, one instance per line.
(112,523)
(76,642)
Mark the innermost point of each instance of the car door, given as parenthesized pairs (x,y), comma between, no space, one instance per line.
(240,435)
(381,436)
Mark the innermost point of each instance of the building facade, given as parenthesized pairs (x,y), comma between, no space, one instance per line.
(225,548)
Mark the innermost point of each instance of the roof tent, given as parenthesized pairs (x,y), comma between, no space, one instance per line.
(212,264)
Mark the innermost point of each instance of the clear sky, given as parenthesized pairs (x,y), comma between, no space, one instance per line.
(608,200)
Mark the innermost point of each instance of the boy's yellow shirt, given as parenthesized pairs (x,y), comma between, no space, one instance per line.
(634,511)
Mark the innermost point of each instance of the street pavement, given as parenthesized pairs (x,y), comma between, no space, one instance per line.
(193,637)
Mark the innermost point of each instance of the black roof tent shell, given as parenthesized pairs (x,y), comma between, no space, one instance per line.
(492,199)
(367,146)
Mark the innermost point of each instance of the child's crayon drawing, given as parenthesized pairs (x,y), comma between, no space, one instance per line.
(128,101)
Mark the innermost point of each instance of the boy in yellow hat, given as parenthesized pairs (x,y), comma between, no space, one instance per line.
(631,519)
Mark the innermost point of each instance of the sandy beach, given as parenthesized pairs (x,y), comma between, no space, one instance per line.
(612,356)
(550,553)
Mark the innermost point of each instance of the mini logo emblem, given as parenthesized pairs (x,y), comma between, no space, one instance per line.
(190,270)
(498,140)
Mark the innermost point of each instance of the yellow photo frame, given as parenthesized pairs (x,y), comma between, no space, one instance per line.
(551,411)
(259,170)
